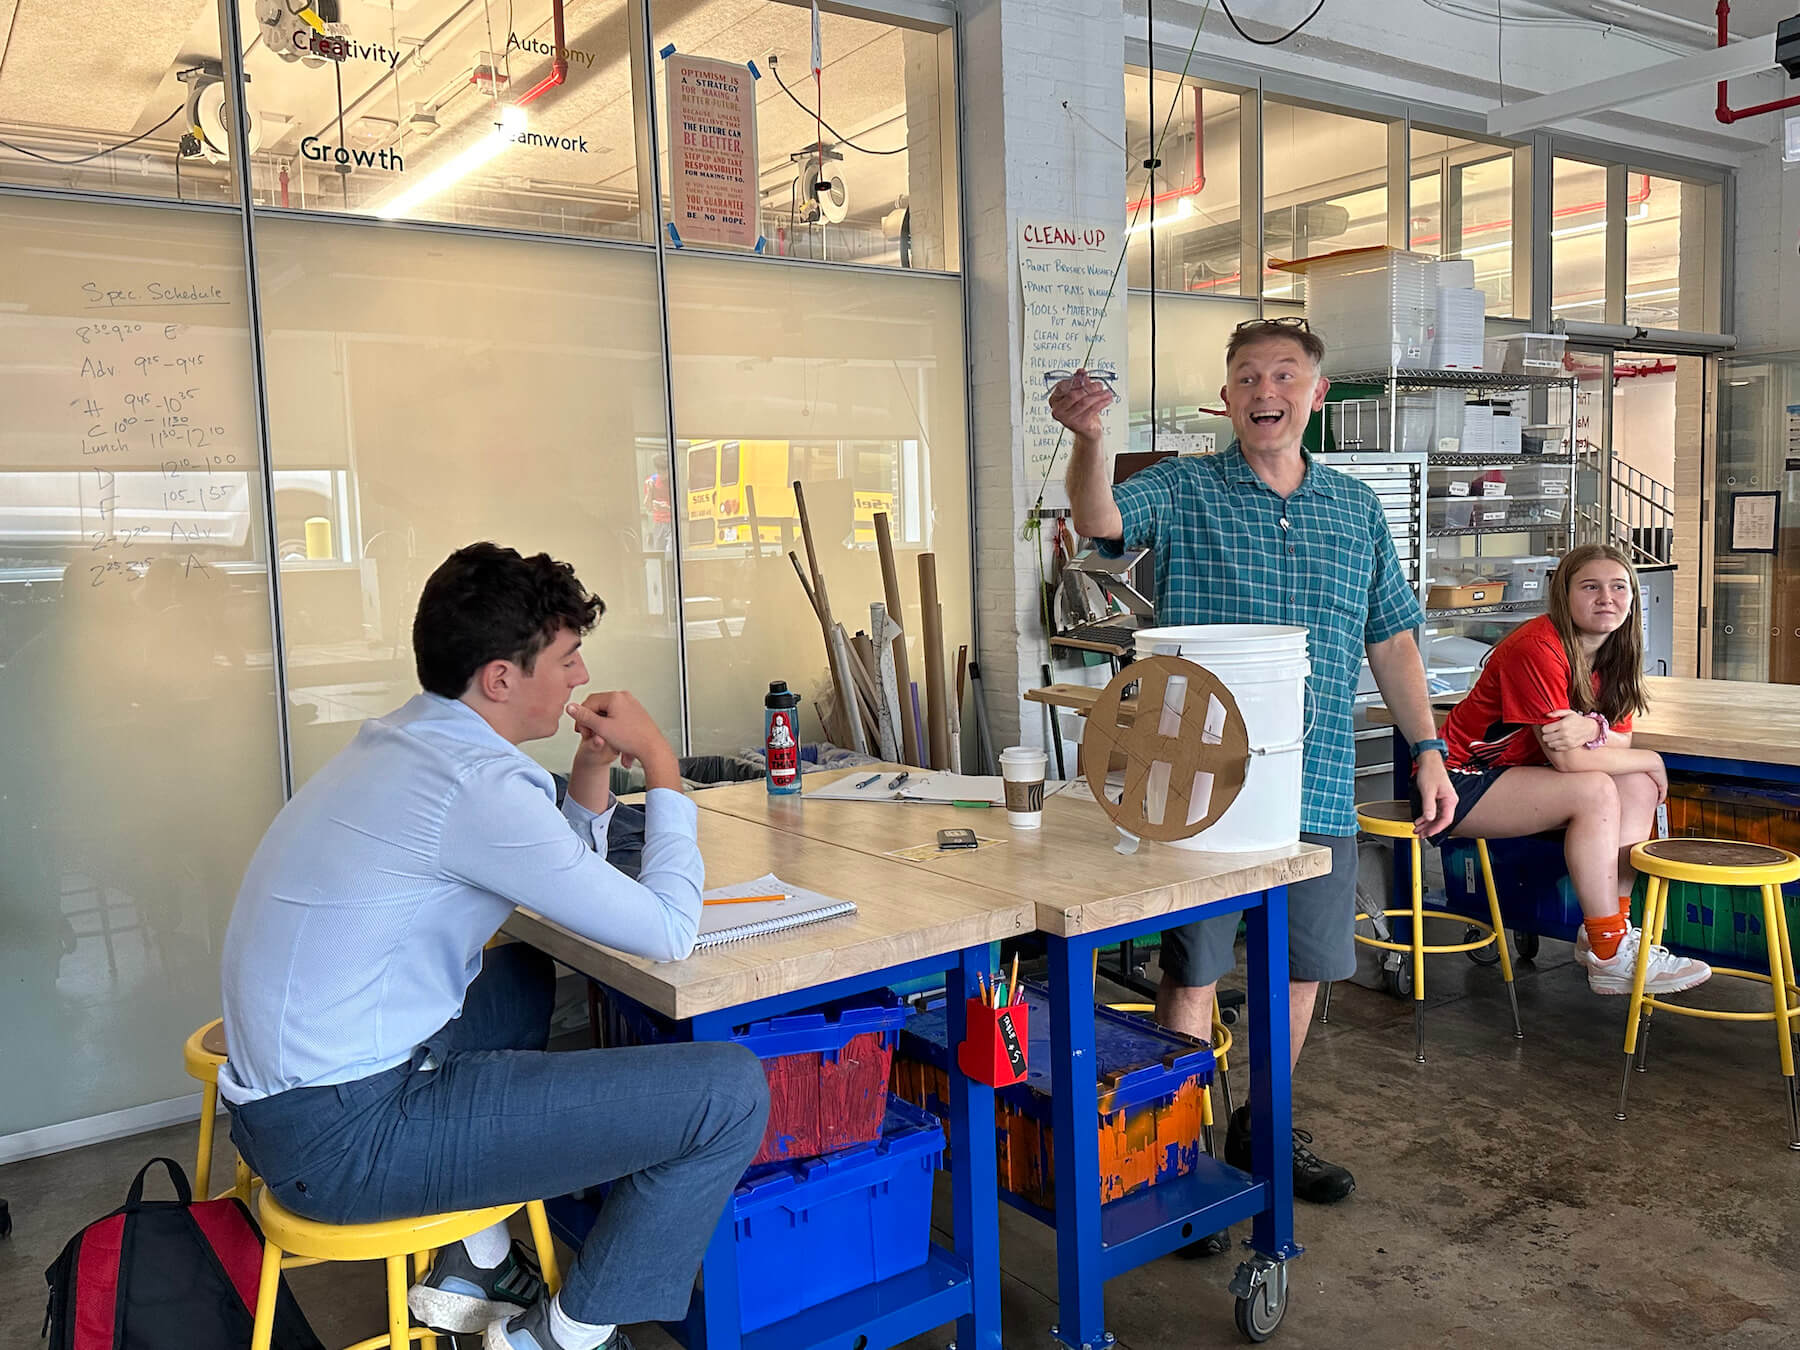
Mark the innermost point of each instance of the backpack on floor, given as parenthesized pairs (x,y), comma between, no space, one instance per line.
(173,1274)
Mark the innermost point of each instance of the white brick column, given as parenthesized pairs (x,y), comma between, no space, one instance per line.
(1024,154)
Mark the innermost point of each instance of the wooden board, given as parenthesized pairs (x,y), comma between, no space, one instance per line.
(1069,869)
(1715,719)
(901,916)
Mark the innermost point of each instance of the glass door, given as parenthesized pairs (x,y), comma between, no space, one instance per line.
(1754,581)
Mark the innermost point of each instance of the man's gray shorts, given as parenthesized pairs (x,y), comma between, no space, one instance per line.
(1321,927)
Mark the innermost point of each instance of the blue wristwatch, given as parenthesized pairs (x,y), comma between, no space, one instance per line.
(1420,747)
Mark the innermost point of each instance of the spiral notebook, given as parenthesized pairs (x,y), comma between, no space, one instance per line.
(721,923)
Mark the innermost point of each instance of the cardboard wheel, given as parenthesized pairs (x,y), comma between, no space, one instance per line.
(1186,750)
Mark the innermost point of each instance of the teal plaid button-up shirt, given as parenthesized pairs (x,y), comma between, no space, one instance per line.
(1228,549)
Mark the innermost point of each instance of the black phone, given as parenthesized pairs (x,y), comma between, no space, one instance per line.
(957,839)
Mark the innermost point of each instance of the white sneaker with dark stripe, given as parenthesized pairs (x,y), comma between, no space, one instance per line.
(1665,973)
(459,1296)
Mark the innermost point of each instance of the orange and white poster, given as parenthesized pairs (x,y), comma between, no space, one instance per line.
(712,143)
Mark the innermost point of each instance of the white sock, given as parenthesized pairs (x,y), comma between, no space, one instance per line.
(573,1335)
(488,1248)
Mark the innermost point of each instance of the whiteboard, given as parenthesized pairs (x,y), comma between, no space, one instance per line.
(138,751)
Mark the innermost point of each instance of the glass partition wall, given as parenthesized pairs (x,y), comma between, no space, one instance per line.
(246,419)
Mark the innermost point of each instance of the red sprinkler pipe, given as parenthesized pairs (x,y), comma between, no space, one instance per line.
(1724,111)
(1194,188)
(559,64)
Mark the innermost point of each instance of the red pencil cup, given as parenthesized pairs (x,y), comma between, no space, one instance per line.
(996,1049)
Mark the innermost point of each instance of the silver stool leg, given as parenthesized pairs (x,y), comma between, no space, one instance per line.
(1624,1085)
(1419,1031)
(1643,1050)
(1791,1089)
(1325,1005)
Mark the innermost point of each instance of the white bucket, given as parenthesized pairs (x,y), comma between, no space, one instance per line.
(1265,667)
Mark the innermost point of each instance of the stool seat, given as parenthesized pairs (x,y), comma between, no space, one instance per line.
(1724,863)
(1390,820)
(204,1051)
(297,1236)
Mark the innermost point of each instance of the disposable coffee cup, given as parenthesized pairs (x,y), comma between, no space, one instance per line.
(1023,769)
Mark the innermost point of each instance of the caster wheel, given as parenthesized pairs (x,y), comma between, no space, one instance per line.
(1482,956)
(1260,1312)
(1526,945)
(1398,980)
(1228,1016)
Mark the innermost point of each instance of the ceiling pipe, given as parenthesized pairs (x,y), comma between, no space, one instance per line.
(1194,188)
(1724,111)
(559,64)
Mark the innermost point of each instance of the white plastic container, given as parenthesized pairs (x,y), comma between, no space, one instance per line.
(1532,353)
(1265,667)
(1461,318)
(1373,308)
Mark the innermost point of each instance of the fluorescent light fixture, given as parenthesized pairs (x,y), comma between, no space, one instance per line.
(511,125)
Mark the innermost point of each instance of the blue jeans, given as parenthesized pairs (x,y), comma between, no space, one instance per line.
(483,1115)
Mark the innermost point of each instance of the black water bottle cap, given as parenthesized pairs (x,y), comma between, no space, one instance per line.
(778,686)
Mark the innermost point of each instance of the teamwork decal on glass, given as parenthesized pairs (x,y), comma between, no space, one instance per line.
(712,151)
(1066,272)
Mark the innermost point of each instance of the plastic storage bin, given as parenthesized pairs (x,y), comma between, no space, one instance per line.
(827,1070)
(1150,1084)
(810,1231)
(1372,307)
(1530,353)
(1727,921)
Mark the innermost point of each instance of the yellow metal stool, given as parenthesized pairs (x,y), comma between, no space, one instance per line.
(1718,862)
(202,1056)
(287,1235)
(1394,820)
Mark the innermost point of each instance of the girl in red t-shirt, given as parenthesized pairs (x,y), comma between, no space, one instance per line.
(1543,742)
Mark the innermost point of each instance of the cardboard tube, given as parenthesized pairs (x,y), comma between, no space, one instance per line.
(844,694)
(937,724)
(890,584)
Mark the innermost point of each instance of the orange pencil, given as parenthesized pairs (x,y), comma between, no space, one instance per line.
(1012,993)
(745,899)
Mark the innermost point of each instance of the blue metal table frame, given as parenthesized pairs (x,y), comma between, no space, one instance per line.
(958,1284)
(1095,1241)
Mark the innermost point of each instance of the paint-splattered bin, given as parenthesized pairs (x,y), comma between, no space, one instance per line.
(827,1069)
(1150,1081)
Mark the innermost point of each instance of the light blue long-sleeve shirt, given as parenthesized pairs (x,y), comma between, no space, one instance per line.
(363,913)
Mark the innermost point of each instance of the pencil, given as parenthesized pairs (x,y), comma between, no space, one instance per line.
(1012,994)
(982,980)
(745,899)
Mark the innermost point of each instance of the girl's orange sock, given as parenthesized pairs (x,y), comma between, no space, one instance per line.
(1605,935)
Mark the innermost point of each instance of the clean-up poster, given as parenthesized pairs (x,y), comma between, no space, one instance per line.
(1073,318)
(712,151)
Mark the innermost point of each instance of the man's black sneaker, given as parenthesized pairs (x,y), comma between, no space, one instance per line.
(530,1330)
(459,1296)
(1315,1180)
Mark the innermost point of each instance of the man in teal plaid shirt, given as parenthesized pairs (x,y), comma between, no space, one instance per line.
(1264,533)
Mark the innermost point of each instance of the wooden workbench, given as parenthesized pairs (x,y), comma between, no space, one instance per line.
(900,917)
(1069,869)
(1087,895)
(906,927)
(1714,720)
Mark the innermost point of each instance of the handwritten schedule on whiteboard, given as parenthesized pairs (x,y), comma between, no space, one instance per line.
(1065,277)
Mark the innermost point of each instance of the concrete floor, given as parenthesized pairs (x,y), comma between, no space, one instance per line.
(1498,1202)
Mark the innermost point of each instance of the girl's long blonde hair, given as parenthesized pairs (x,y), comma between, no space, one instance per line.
(1620,660)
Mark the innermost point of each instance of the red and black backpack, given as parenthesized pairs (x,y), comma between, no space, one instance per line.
(166,1275)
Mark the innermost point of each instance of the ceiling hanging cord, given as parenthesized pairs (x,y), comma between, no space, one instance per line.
(1152,163)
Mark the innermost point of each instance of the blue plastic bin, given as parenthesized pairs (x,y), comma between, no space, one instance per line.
(810,1231)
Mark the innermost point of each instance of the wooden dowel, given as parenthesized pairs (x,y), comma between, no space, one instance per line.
(937,724)
(890,585)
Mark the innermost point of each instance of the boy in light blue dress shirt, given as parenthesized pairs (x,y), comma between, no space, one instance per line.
(384,1066)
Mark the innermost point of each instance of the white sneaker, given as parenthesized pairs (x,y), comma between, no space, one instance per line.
(1667,973)
(1584,950)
